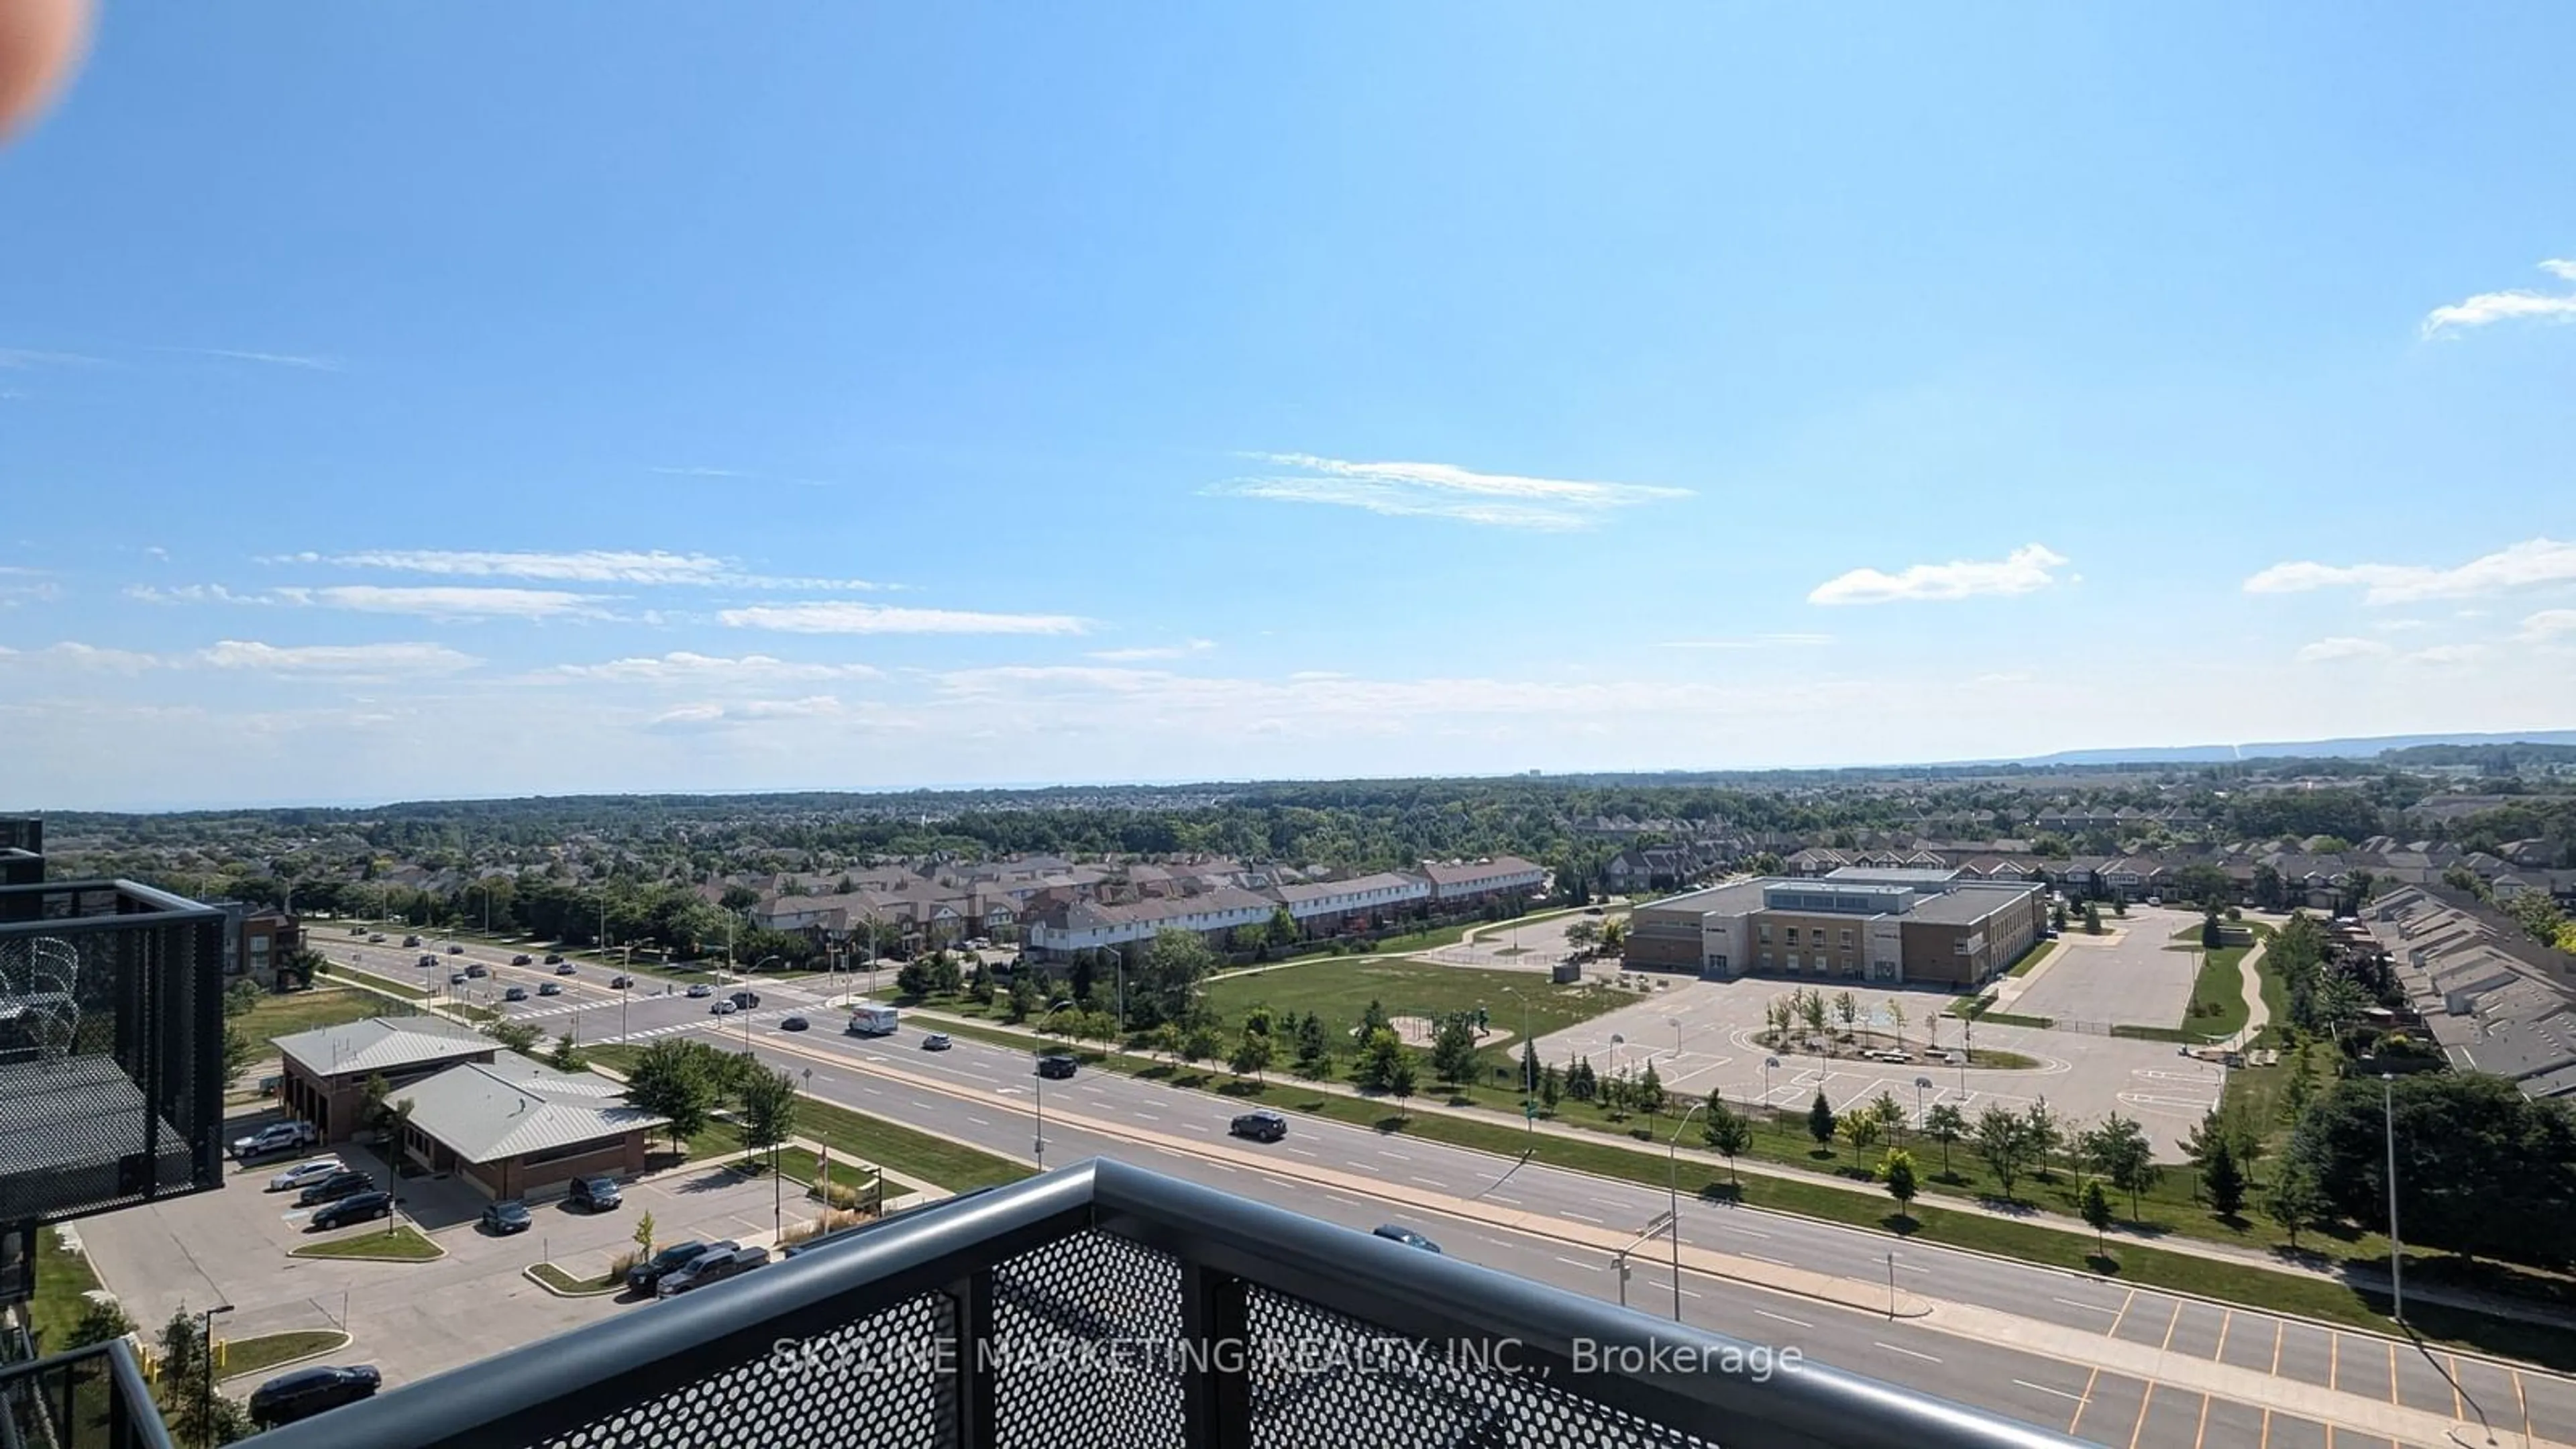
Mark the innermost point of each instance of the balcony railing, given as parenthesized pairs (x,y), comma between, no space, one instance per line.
(1103,1305)
(91,1398)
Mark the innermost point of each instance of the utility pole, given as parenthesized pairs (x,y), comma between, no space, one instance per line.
(206,1399)
(2396,1248)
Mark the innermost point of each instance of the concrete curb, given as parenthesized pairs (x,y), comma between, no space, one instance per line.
(301,1252)
(530,1273)
(323,1352)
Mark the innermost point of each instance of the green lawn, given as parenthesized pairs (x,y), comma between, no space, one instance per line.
(2218,994)
(2030,959)
(1339,992)
(295,1011)
(609,1281)
(251,1355)
(62,1280)
(405,1244)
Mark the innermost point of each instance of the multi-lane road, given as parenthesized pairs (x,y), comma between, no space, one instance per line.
(2025,1341)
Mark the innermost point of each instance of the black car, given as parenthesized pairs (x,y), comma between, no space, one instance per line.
(1057,1068)
(621,983)
(504,1218)
(1407,1236)
(598,1194)
(1260,1126)
(646,1276)
(794,1023)
(308,1391)
(333,1188)
(523,959)
(554,958)
(744,1000)
(455,950)
(357,1207)
(477,968)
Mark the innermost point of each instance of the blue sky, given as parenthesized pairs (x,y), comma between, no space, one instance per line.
(477,399)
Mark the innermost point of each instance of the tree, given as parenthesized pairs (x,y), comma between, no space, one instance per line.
(1648,1092)
(1727,1131)
(190,1407)
(1313,1050)
(1551,1087)
(1860,1129)
(567,1057)
(2224,1180)
(766,1102)
(1896,1019)
(2095,1206)
(1251,1056)
(1283,928)
(2092,918)
(1453,1049)
(670,1080)
(1199,1043)
(2046,1132)
(1584,934)
(1164,986)
(2213,933)
(1811,1010)
(915,979)
(1023,997)
(2003,1140)
(1820,1120)
(2118,1149)
(644,1235)
(1580,1082)
(1945,1124)
(1846,1010)
(1614,935)
(1084,976)
(515,1036)
(2294,1201)
(1529,1067)
(101,1320)
(373,1104)
(1896,1172)
(1890,1114)
(239,1052)
(1373,1019)
(2057,917)
(1399,1082)
(2482,1170)
(2302,1089)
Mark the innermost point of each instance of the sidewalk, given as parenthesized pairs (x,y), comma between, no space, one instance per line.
(2516,1309)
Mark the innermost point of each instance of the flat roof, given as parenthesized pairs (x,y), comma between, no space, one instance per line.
(1969,902)
(1891,875)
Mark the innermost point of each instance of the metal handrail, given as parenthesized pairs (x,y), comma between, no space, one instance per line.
(534,1394)
(45,1394)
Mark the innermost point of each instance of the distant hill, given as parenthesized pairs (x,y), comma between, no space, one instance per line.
(2368,747)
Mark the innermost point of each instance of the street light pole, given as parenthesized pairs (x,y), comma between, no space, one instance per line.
(1673,1199)
(206,1401)
(2396,1248)
(1767,1105)
(1921,1085)
(1043,1018)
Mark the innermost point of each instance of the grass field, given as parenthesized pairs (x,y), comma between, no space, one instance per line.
(2030,959)
(63,1279)
(405,1244)
(1339,993)
(277,1016)
(243,1356)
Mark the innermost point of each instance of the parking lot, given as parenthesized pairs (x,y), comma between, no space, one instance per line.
(409,1319)
(1704,1035)
(2138,977)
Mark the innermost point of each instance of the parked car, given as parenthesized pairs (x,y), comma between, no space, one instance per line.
(722,1008)
(515,993)
(724,1260)
(455,950)
(745,999)
(306,1173)
(936,1041)
(597,1194)
(308,1391)
(504,1218)
(566,968)
(335,1187)
(477,968)
(523,959)
(411,940)
(646,1276)
(620,983)
(357,1207)
(700,990)
(547,988)
(794,1023)
(1263,1126)
(554,958)
(275,1137)
(1407,1236)
(1055,1067)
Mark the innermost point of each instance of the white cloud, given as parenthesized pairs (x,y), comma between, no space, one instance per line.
(592,566)
(711,714)
(2547,626)
(2023,571)
(846,618)
(2448,654)
(2396,626)
(2342,647)
(699,473)
(1754,641)
(682,667)
(86,657)
(1442,490)
(2508,306)
(450,603)
(27,359)
(1145,653)
(336,659)
(273,359)
(2529,564)
(191,594)
(1378,705)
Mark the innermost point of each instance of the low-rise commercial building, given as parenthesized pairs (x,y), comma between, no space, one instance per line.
(327,1069)
(516,1128)
(1888,927)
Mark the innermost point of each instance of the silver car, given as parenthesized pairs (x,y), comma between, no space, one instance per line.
(305,1174)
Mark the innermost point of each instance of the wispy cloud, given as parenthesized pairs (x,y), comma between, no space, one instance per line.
(451,603)
(713,715)
(2508,306)
(1442,490)
(2327,651)
(191,594)
(2529,564)
(300,361)
(596,566)
(845,618)
(1753,641)
(2547,627)
(1146,652)
(699,472)
(2024,570)
(682,667)
(336,660)
(87,657)
(28,359)
(2448,654)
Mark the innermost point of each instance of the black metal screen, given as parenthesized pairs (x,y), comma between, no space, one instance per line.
(111,1048)
(92,1399)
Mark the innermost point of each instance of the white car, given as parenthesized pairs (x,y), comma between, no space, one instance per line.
(305,1174)
(275,1137)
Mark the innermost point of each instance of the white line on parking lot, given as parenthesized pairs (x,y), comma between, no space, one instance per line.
(1912,1353)
(2095,1307)
(2045,1389)
(1784,1318)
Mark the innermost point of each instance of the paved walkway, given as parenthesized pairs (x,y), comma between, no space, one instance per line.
(2258,1014)
(2260,1258)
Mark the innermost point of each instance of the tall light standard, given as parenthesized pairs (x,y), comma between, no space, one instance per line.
(2396,1249)
(1673,1196)
(1921,1085)
(1675,1023)
(1529,1078)
(1043,1018)
(1767,1064)
(487,904)
(206,1401)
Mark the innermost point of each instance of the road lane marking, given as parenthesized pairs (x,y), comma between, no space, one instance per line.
(2114,1330)
(2334,1368)
(2089,1307)
(2084,1399)
(1775,1262)
(2392,1371)
(1784,1318)
(2145,1399)
(2219,1354)
(2045,1389)
(1909,1352)
(2522,1402)
(1748,1232)
(1398,1156)
(1587,1217)
(1572,1263)
(2458,1409)
(2279,1327)
(2202,1432)
(1147,1117)
(978,1121)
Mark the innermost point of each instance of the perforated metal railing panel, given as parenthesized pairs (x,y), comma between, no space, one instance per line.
(1078,1326)
(876,1381)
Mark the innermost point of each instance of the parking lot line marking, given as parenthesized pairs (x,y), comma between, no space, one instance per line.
(2279,1326)
(2089,1307)
(2266,1441)
(2458,1409)
(2045,1389)
(2203,1431)
(2140,1427)
(2219,1354)
(1912,1353)
(1784,1318)
(2334,1368)
(2521,1403)
(2170,1324)
(2392,1371)
(2084,1398)
(2114,1330)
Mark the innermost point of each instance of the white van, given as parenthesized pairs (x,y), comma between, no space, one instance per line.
(873,1021)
